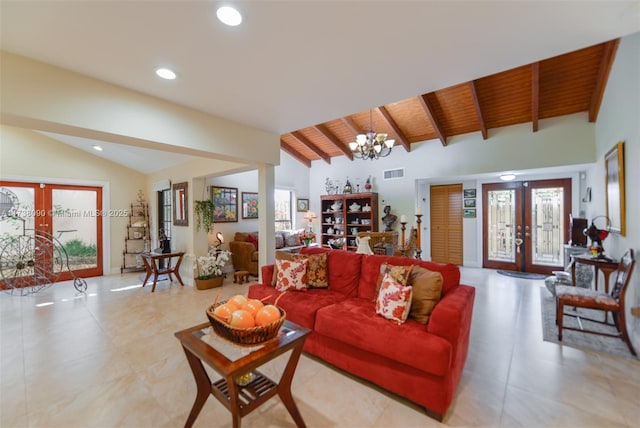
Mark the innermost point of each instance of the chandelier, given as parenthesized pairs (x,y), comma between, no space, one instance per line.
(371,145)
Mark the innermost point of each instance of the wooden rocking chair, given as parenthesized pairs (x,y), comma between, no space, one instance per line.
(567,295)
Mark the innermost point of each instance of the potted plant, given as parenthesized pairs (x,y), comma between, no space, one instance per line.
(209,269)
(204,214)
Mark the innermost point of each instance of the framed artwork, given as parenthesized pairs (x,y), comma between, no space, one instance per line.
(469,203)
(180,204)
(614,188)
(303,205)
(469,213)
(249,205)
(225,202)
(469,193)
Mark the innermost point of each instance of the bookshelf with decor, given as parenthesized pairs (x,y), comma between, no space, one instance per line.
(344,215)
(136,240)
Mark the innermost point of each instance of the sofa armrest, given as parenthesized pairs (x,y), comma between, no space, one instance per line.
(267,274)
(451,318)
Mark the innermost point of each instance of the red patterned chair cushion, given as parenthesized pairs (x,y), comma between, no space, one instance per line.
(584,297)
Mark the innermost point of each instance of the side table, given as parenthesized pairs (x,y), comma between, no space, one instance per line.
(607,266)
(242,387)
(151,266)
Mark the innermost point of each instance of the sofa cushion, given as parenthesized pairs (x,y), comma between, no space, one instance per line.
(253,239)
(292,275)
(301,308)
(371,268)
(279,240)
(317,270)
(400,274)
(354,321)
(283,255)
(292,237)
(427,287)
(394,300)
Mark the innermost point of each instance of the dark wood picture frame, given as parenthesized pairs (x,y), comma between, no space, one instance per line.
(180,200)
(469,203)
(614,188)
(469,193)
(249,205)
(302,205)
(225,202)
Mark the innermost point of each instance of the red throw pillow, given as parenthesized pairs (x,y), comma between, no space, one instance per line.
(253,240)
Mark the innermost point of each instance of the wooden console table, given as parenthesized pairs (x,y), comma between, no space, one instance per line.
(607,266)
(150,261)
(242,387)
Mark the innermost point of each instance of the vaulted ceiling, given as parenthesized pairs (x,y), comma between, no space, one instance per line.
(562,85)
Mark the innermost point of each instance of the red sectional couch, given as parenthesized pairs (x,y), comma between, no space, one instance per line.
(422,363)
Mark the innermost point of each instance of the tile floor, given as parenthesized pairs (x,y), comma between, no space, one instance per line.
(108,358)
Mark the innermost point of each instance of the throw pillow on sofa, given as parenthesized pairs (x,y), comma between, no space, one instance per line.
(292,275)
(427,289)
(253,240)
(394,300)
(317,272)
(400,274)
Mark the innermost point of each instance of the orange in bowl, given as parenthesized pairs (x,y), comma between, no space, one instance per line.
(267,315)
(241,319)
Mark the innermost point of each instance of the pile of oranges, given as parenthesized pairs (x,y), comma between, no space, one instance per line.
(240,312)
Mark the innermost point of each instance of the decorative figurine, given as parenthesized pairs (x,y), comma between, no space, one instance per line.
(388,219)
(367,185)
(347,187)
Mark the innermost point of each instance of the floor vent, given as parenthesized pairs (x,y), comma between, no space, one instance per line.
(390,174)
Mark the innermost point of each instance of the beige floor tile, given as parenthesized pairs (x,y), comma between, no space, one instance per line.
(109,358)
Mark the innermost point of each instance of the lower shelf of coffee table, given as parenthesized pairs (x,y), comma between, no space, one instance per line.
(251,395)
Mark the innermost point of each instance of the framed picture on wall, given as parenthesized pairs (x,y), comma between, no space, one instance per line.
(249,205)
(614,188)
(180,204)
(469,203)
(225,202)
(469,193)
(303,205)
(469,213)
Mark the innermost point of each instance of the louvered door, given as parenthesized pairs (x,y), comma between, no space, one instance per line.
(446,224)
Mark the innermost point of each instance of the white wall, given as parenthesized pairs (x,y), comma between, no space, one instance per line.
(619,120)
(289,175)
(562,141)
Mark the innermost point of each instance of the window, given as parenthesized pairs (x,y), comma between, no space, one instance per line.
(164,211)
(284,204)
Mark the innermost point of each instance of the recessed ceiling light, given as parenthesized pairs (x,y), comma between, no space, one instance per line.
(97,148)
(228,15)
(508,177)
(165,73)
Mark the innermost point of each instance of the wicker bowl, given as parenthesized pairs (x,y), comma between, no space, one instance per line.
(245,336)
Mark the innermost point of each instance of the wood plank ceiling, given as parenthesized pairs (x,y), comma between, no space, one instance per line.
(562,85)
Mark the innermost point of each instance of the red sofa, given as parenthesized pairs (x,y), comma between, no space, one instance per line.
(422,363)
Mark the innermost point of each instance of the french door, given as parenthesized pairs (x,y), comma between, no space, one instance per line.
(525,225)
(48,231)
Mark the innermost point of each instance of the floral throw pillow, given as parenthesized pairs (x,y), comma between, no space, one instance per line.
(284,255)
(394,300)
(317,272)
(401,274)
(292,275)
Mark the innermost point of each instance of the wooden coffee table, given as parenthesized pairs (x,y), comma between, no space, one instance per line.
(238,364)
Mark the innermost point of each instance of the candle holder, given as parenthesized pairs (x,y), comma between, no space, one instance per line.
(418,248)
(403,245)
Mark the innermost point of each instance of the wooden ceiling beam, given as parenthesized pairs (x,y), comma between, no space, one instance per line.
(351,125)
(295,154)
(332,138)
(304,141)
(432,117)
(393,125)
(606,62)
(476,104)
(535,95)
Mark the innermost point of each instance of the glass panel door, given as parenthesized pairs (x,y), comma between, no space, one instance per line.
(502,214)
(548,204)
(525,225)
